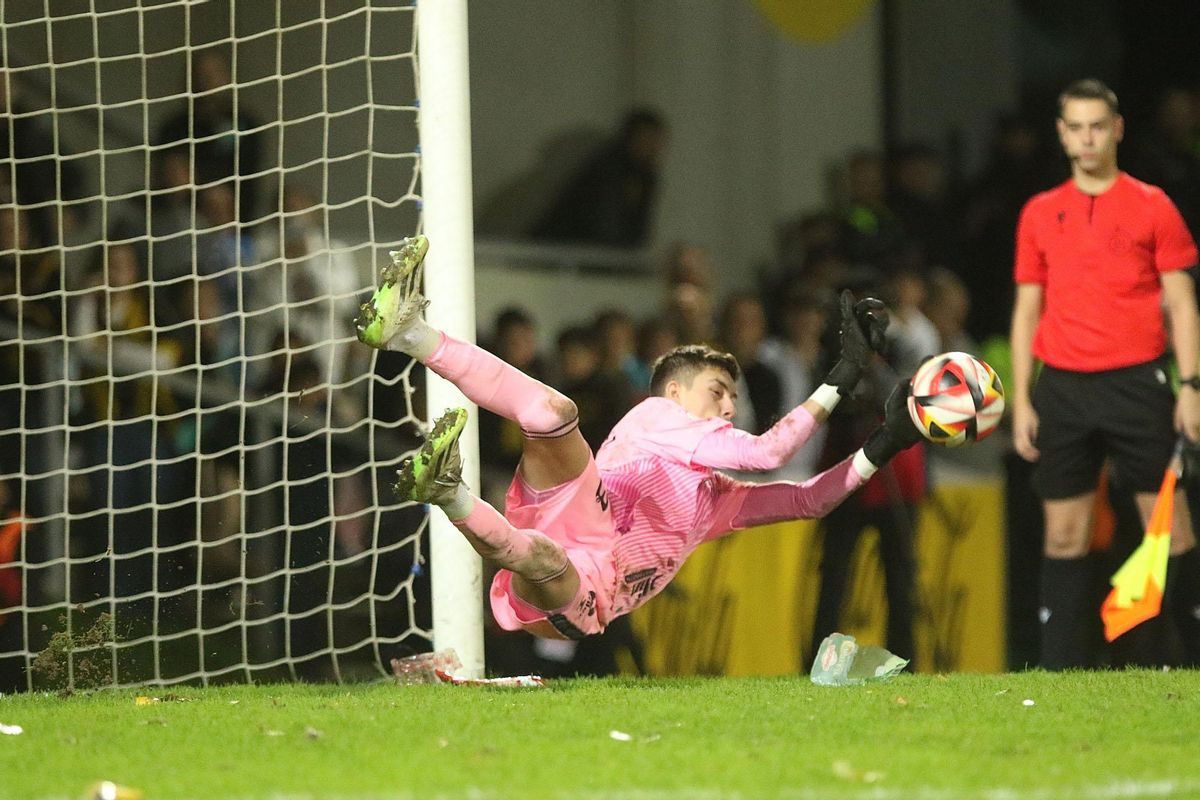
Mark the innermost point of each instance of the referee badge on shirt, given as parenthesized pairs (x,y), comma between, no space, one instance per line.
(1120,241)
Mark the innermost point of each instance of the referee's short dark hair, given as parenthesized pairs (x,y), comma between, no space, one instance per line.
(684,363)
(1089,89)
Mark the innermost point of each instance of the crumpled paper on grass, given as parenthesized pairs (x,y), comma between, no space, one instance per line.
(841,661)
(444,666)
(423,667)
(514,681)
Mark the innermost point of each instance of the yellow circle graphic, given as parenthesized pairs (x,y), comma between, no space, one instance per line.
(813,20)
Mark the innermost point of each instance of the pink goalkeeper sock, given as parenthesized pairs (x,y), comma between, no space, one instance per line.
(503,389)
(508,546)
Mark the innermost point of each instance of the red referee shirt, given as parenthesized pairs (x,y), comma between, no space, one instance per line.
(1098,259)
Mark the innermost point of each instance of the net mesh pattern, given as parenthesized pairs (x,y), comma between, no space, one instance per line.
(195,452)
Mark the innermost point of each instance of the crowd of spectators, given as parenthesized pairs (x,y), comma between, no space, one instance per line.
(203,280)
(194,370)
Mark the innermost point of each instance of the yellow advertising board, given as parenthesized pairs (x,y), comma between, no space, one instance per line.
(745,605)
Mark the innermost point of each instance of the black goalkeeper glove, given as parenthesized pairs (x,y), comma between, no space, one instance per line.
(873,320)
(898,432)
(861,330)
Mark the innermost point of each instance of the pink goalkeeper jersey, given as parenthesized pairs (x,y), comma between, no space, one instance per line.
(663,504)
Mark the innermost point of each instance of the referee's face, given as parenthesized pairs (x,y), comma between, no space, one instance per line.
(1089,132)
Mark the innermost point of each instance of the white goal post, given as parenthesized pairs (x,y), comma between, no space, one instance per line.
(445,123)
(195,454)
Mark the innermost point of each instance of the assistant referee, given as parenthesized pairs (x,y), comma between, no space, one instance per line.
(1097,259)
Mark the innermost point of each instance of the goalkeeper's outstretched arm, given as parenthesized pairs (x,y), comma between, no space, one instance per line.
(862,329)
(763,504)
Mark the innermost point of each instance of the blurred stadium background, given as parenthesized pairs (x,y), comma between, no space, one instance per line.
(644,171)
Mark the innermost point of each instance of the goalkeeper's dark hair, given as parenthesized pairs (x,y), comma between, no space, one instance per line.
(684,363)
(1089,89)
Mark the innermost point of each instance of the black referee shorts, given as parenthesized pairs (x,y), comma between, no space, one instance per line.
(1126,415)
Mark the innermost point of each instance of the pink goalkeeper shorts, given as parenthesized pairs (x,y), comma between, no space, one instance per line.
(575,515)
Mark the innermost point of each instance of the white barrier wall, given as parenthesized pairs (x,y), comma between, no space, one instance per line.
(556,299)
(757,119)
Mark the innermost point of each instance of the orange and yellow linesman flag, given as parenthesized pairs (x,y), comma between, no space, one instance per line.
(1138,585)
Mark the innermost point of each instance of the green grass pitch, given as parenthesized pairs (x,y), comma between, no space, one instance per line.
(996,737)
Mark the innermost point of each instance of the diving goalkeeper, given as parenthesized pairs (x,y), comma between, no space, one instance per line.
(584,540)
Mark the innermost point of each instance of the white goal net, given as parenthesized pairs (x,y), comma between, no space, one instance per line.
(195,454)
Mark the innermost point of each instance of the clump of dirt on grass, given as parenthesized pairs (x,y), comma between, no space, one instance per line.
(90,650)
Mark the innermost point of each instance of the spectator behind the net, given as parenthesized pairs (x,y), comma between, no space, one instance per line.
(224,251)
(29,274)
(45,181)
(743,331)
(224,133)
(31,358)
(611,199)
(12,629)
(294,384)
(129,421)
(315,274)
(175,216)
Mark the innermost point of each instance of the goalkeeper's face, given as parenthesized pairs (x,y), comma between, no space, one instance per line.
(710,393)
